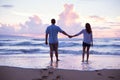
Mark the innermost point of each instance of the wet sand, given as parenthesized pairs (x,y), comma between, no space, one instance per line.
(15,73)
(67,61)
(37,67)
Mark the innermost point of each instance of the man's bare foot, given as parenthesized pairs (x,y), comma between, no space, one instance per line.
(51,60)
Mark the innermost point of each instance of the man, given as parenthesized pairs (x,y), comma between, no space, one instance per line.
(52,31)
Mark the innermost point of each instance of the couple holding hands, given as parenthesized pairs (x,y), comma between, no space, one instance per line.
(52,32)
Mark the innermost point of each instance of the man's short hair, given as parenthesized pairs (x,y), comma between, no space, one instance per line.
(53,21)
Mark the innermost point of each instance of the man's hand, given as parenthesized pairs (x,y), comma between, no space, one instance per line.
(70,36)
(46,43)
(46,37)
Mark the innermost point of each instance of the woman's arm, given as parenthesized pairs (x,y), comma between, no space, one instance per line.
(77,34)
(92,40)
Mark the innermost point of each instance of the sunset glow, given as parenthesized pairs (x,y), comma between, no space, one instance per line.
(31,18)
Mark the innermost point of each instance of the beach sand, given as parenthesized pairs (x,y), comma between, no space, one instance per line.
(70,67)
(15,73)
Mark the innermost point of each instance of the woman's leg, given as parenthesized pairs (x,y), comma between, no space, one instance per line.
(83,53)
(88,48)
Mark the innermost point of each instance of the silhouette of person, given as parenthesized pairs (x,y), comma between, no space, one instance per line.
(52,32)
(87,40)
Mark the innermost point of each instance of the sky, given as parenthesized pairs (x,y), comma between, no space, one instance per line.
(31,17)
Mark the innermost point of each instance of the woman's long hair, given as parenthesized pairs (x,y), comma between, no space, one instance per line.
(88,28)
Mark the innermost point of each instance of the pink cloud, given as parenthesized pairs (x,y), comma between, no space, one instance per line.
(7,29)
(106,33)
(35,19)
(68,16)
(33,26)
(114,24)
(117,32)
(97,18)
(68,19)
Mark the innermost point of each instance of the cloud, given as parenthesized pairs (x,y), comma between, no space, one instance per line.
(114,24)
(97,18)
(33,26)
(68,18)
(117,32)
(33,21)
(6,6)
(101,28)
(68,21)
(7,29)
(21,13)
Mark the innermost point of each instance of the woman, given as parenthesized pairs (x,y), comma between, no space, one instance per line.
(87,41)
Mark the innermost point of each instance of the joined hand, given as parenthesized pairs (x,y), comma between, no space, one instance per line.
(70,36)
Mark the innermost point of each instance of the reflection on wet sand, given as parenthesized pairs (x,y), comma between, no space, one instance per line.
(85,66)
(54,64)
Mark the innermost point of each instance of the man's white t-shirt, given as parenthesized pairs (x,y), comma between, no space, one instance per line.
(53,30)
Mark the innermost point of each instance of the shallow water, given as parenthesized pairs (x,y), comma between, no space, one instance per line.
(33,53)
(66,62)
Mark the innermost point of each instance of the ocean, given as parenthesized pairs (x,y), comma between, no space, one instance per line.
(14,45)
(27,52)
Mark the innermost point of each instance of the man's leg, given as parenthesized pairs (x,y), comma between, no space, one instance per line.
(51,52)
(56,54)
(51,55)
(56,51)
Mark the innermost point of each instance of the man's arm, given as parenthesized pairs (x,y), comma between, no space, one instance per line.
(65,33)
(76,34)
(46,38)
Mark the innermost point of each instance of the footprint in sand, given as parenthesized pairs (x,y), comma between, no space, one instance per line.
(99,74)
(44,77)
(111,77)
(36,79)
(59,77)
(49,74)
(97,70)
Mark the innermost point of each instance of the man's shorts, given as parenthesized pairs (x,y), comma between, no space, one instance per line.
(53,46)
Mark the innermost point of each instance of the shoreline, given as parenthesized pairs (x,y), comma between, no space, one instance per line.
(15,73)
(71,62)
(70,67)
